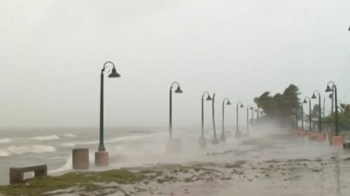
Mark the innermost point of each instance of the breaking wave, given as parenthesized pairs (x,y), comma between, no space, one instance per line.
(126,138)
(4,153)
(45,138)
(6,140)
(113,140)
(68,165)
(69,135)
(37,149)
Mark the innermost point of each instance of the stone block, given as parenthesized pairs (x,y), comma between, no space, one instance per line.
(80,158)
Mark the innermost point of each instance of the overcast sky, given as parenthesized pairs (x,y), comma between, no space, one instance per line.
(52,52)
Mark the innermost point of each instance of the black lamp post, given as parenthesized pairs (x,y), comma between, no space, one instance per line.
(223,137)
(333,89)
(257,115)
(310,118)
(202,140)
(101,156)
(178,90)
(249,107)
(239,104)
(252,109)
(302,117)
(319,110)
(215,139)
(296,115)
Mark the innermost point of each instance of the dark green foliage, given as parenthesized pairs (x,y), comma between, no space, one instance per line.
(343,117)
(280,107)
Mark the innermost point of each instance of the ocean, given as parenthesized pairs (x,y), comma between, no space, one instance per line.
(53,147)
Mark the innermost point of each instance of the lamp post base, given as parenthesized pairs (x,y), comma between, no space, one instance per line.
(297,132)
(245,135)
(310,135)
(101,158)
(321,137)
(215,141)
(223,138)
(173,146)
(238,134)
(337,141)
(202,142)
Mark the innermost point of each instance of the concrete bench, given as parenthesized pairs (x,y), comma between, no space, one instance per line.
(16,173)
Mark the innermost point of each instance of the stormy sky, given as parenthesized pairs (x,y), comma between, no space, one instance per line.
(52,52)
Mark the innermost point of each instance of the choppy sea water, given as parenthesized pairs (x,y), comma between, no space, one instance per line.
(126,147)
(26,147)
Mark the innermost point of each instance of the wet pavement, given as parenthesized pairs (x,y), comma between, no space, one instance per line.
(280,164)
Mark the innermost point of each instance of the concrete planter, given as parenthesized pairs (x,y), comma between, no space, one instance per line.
(321,137)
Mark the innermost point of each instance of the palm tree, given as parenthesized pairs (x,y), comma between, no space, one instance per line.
(280,107)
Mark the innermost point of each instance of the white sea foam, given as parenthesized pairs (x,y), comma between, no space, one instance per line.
(45,138)
(113,140)
(29,149)
(68,165)
(4,153)
(6,140)
(68,144)
(69,135)
(127,138)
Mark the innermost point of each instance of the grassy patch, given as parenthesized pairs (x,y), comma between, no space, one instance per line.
(85,180)
(106,182)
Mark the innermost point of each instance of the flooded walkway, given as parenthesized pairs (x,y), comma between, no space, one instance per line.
(281,165)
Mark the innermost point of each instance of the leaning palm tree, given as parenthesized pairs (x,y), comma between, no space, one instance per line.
(280,107)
